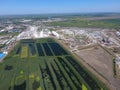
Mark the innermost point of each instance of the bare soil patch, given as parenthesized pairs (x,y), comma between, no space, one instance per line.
(101,61)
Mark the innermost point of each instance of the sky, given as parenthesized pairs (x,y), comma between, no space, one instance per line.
(8,7)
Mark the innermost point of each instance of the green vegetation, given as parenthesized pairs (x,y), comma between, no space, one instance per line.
(2,45)
(84,87)
(24,52)
(86,22)
(56,71)
(8,33)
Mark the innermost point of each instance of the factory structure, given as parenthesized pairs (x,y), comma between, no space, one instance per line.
(34,33)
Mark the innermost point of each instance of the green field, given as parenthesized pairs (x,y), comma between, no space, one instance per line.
(43,64)
(85,22)
(24,52)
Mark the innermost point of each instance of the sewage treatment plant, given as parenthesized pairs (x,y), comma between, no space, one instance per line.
(44,64)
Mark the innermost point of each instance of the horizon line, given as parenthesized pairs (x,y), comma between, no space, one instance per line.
(61,13)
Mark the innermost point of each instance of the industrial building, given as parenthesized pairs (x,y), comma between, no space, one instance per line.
(117,66)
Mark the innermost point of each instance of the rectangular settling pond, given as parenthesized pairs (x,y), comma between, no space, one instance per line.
(43,64)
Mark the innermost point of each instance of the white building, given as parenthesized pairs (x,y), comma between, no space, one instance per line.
(117,65)
(56,34)
(118,33)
